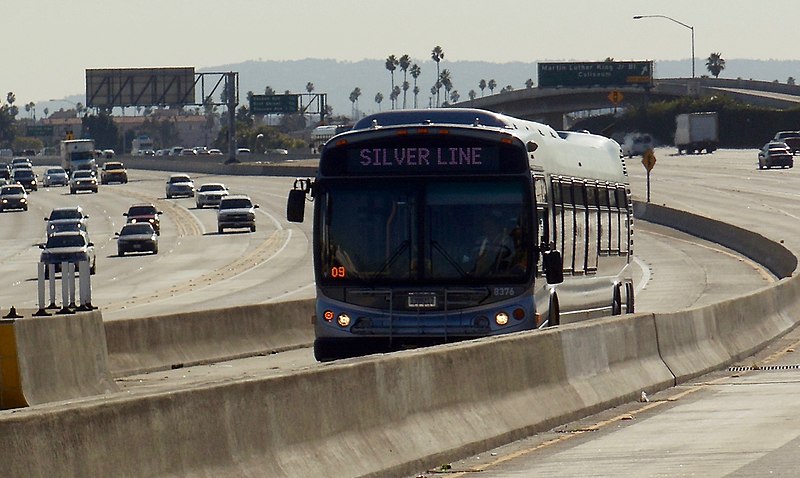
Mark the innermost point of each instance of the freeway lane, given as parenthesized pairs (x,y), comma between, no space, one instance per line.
(726,424)
(196,268)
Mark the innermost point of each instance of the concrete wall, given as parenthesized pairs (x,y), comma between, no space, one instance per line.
(387,415)
(46,359)
(169,341)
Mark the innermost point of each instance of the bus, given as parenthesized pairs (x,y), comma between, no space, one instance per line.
(438,225)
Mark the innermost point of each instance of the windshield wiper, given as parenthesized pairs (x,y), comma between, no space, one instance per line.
(435,245)
(391,260)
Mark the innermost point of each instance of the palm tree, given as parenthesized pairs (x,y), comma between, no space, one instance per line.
(268,91)
(482,86)
(46,112)
(437,54)
(415,72)
(405,63)
(354,99)
(529,83)
(492,85)
(11,97)
(445,79)
(378,99)
(309,87)
(391,65)
(715,64)
(472,94)
(454,96)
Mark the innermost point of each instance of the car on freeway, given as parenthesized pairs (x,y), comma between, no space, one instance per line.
(82,180)
(210,194)
(188,152)
(236,211)
(113,172)
(179,185)
(65,215)
(215,152)
(138,237)
(144,213)
(791,138)
(55,176)
(242,151)
(68,226)
(775,153)
(26,178)
(13,196)
(18,161)
(72,247)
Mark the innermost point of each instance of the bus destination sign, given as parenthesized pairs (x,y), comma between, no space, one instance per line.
(422,160)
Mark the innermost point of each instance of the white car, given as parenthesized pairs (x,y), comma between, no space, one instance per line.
(13,196)
(55,177)
(73,247)
(179,185)
(82,180)
(236,211)
(210,194)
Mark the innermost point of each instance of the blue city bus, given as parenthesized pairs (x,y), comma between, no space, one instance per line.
(448,224)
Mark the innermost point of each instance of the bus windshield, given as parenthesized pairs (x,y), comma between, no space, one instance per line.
(424,232)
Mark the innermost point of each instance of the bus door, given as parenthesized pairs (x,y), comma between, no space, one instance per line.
(581,230)
(592,228)
(564,221)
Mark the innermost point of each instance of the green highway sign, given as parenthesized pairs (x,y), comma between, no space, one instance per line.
(269,104)
(39,130)
(599,73)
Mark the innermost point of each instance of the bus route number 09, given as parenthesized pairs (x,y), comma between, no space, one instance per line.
(338,272)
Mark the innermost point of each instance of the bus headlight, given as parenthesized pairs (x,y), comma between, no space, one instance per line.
(328,315)
(343,320)
(501,318)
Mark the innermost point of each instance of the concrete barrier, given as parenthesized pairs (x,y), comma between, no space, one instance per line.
(46,359)
(772,255)
(183,339)
(385,415)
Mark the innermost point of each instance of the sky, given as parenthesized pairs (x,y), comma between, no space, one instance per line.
(48,44)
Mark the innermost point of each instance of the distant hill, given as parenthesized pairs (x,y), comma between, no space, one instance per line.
(339,78)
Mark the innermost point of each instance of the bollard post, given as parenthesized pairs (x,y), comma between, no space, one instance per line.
(71,282)
(85,278)
(51,269)
(12,314)
(40,268)
(65,289)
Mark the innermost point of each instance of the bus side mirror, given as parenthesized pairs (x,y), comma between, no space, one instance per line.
(295,206)
(553,267)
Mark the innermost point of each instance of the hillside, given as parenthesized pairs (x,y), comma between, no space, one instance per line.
(339,78)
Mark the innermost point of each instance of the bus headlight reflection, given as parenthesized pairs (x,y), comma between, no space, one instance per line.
(501,318)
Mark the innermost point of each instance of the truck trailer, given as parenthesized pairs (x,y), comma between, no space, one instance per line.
(695,132)
(78,154)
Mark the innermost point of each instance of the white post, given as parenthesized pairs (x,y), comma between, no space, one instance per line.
(85,277)
(51,269)
(65,289)
(40,268)
(71,281)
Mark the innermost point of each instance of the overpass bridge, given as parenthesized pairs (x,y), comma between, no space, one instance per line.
(549,105)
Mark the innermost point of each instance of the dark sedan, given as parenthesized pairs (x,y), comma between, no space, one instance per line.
(775,153)
(139,237)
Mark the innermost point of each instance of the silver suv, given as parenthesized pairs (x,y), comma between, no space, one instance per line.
(179,185)
(236,211)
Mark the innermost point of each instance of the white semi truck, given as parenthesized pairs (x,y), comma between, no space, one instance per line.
(78,154)
(695,132)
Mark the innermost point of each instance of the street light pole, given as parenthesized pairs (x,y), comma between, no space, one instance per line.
(637,17)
